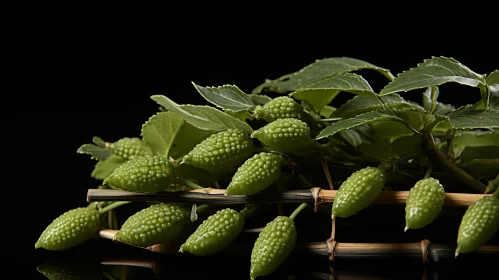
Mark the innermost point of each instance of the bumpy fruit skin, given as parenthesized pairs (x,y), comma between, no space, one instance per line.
(222,152)
(281,107)
(424,202)
(70,229)
(128,148)
(156,224)
(284,135)
(256,174)
(479,224)
(215,233)
(146,174)
(273,246)
(358,191)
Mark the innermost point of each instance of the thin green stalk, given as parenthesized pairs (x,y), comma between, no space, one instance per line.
(496,194)
(187,183)
(305,181)
(428,172)
(248,211)
(112,206)
(297,211)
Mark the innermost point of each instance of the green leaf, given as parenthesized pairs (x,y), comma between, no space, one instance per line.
(260,99)
(95,151)
(105,167)
(227,97)
(321,93)
(465,139)
(357,135)
(362,104)
(430,96)
(317,71)
(467,117)
(99,142)
(240,115)
(187,138)
(493,87)
(160,130)
(442,109)
(433,72)
(481,168)
(326,111)
(361,119)
(203,117)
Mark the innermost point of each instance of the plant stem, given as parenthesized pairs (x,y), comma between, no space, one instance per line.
(305,181)
(249,211)
(187,183)
(112,206)
(297,211)
(428,172)
(496,194)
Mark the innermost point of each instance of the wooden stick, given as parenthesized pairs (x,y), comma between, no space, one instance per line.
(216,196)
(423,250)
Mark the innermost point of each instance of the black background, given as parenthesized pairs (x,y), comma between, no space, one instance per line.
(82,71)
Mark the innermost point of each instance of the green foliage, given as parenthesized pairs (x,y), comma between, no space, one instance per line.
(250,143)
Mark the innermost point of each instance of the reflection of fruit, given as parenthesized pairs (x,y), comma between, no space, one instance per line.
(215,233)
(146,174)
(358,191)
(273,246)
(424,202)
(284,135)
(479,224)
(156,224)
(256,174)
(67,270)
(279,108)
(222,152)
(70,229)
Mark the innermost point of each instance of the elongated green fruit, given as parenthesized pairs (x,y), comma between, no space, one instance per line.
(256,174)
(479,224)
(157,224)
(215,233)
(424,202)
(280,108)
(273,246)
(147,174)
(70,229)
(128,148)
(358,191)
(284,135)
(222,152)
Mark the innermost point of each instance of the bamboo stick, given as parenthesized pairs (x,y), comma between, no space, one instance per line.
(424,250)
(216,196)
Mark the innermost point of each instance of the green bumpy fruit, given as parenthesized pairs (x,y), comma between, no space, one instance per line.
(222,152)
(358,191)
(156,224)
(70,229)
(215,233)
(256,174)
(479,224)
(281,107)
(273,246)
(284,135)
(128,148)
(424,202)
(148,174)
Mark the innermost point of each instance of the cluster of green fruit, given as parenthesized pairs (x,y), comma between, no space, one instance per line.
(252,162)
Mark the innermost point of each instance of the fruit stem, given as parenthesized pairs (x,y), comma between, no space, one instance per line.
(249,211)
(112,206)
(297,211)
(496,194)
(187,183)
(428,172)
